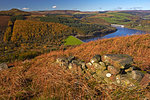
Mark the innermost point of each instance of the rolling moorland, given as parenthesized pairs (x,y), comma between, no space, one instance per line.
(30,42)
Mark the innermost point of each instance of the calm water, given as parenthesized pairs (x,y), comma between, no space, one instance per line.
(120,32)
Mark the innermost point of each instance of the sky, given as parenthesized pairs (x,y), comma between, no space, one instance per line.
(82,5)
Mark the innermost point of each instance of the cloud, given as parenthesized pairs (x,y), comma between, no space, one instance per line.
(119,8)
(25,8)
(54,6)
(136,8)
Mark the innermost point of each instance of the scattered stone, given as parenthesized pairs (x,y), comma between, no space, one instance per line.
(75,62)
(3,66)
(83,66)
(102,64)
(62,61)
(70,66)
(89,64)
(96,65)
(131,68)
(108,75)
(96,59)
(118,79)
(112,70)
(70,58)
(118,60)
(137,75)
(125,81)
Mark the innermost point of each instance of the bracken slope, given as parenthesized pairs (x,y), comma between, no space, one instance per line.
(41,79)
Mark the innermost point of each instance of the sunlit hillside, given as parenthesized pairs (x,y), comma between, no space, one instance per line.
(41,79)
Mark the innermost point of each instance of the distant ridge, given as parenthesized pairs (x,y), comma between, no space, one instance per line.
(55,12)
(14,11)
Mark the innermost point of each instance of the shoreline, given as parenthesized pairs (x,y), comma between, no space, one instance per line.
(138,29)
(83,37)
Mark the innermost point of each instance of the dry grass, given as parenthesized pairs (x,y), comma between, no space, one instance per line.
(41,79)
(137,46)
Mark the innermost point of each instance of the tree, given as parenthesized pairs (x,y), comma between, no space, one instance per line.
(8,33)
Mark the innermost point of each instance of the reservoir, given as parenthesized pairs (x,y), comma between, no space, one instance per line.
(121,31)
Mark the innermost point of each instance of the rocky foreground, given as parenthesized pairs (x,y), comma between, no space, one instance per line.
(98,70)
(114,69)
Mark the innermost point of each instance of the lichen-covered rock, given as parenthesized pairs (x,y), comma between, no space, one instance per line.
(97,66)
(83,66)
(124,80)
(96,59)
(118,60)
(127,82)
(101,76)
(102,64)
(70,66)
(137,75)
(131,68)
(3,66)
(75,62)
(62,61)
(113,70)
(88,64)
(70,58)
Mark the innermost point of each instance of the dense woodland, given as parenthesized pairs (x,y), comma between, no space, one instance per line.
(82,25)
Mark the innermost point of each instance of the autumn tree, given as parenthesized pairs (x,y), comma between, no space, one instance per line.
(8,33)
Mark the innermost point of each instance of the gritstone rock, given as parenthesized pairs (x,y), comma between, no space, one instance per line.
(118,60)
(3,66)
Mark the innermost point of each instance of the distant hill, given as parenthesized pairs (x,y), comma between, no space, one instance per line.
(55,12)
(13,12)
(137,12)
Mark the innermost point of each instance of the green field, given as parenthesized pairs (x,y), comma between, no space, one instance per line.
(118,18)
(71,40)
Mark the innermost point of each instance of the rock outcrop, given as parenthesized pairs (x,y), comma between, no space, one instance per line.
(110,68)
(3,66)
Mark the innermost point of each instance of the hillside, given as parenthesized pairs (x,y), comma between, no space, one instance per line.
(86,27)
(24,30)
(27,39)
(33,30)
(54,12)
(14,12)
(135,19)
(40,78)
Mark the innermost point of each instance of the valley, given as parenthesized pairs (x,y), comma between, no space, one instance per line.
(43,56)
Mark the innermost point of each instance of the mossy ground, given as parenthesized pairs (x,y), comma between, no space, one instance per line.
(71,40)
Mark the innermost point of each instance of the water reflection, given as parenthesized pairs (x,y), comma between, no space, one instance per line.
(120,32)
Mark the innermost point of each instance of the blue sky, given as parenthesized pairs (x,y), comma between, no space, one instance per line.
(83,5)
